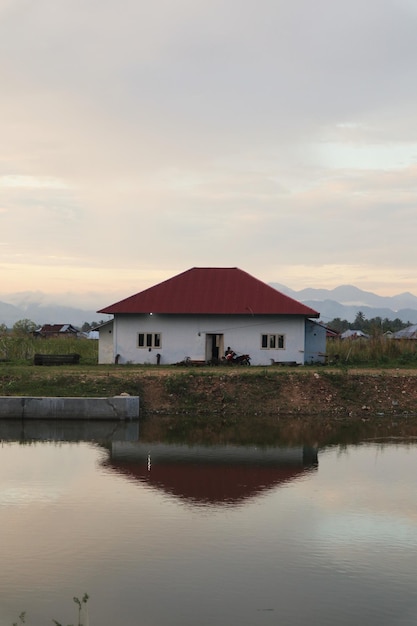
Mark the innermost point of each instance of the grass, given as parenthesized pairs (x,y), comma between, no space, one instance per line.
(68,380)
(21,349)
(374,352)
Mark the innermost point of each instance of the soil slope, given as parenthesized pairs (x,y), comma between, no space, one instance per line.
(266,392)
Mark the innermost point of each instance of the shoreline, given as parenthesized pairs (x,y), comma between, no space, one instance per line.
(258,405)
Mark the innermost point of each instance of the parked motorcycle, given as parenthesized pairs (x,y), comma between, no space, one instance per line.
(233,359)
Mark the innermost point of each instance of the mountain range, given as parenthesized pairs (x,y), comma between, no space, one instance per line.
(344,301)
(46,314)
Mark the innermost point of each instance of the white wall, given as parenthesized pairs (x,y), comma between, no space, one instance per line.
(105,343)
(315,343)
(185,335)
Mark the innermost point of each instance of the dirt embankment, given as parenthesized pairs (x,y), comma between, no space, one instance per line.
(260,405)
(271,393)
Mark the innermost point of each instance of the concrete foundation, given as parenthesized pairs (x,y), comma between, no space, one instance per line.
(24,407)
(100,431)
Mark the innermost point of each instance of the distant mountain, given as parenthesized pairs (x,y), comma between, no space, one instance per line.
(346,300)
(46,314)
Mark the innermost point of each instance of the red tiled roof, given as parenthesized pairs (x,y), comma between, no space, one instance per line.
(51,328)
(57,328)
(207,483)
(215,291)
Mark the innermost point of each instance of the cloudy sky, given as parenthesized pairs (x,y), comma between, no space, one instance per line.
(139,139)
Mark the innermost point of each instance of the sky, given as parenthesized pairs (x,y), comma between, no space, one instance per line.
(140,139)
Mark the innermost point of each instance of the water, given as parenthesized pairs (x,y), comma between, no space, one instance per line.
(163,535)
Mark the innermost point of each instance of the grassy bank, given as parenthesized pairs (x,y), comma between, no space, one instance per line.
(249,405)
(235,390)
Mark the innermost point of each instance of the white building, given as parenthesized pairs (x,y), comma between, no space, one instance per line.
(200,313)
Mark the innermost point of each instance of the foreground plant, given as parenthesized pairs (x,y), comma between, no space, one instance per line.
(22,618)
(82,621)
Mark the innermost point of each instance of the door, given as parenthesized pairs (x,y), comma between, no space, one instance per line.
(214,347)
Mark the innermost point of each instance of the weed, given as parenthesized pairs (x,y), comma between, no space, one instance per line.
(22,618)
(345,385)
(177,385)
(81,609)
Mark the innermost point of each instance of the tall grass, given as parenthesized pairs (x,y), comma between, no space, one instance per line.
(377,351)
(21,349)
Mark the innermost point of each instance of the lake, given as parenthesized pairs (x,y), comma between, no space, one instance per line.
(167,535)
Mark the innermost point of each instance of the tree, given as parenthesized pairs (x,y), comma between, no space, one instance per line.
(91,326)
(3,329)
(24,327)
(375,326)
(360,320)
(338,325)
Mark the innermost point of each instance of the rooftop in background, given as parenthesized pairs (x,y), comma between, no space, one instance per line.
(407,333)
(57,330)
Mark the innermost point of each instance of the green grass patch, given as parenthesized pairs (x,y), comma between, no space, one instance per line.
(21,349)
(374,352)
(64,381)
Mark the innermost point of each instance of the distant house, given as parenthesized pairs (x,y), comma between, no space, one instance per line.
(406,333)
(56,330)
(354,334)
(200,313)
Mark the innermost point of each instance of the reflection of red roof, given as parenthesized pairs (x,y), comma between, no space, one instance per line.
(208,290)
(201,483)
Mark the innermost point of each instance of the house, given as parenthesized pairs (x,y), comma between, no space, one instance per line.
(406,333)
(200,313)
(56,330)
(354,334)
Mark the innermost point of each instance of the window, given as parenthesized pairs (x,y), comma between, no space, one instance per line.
(149,340)
(273,342)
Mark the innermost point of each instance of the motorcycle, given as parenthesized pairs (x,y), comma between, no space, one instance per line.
(233,359)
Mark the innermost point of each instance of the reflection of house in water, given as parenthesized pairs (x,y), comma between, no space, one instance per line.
(205,475)
(210,475)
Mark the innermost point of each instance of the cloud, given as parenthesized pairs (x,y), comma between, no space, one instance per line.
(155,137)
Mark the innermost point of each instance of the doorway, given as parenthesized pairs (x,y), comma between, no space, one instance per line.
(214,347)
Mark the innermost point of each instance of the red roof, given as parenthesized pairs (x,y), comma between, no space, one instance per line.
(212,290)
(201,483)
(57,328)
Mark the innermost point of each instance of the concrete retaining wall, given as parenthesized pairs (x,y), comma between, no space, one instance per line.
(24,407)
(101,431)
